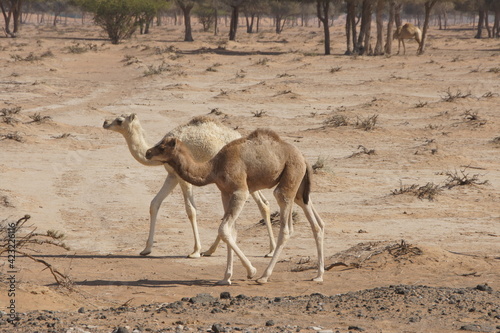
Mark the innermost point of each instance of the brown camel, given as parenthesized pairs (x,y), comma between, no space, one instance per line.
(261,160)
(407,31)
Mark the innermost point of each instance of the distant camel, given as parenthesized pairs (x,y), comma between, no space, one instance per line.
(407,31)
(260,160)
(205,137)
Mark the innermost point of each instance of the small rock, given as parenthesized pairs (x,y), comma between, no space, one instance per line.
(270,323)
(202,298)
(217,328)
(475,328)
(484,287)
(225,295)
(121,330)
(81,310)
(355,328)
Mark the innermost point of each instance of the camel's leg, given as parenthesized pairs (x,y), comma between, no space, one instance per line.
(226,232)
(404,46)
(318,229)
(169,184)
(265,211)
(187,192)
(286,229)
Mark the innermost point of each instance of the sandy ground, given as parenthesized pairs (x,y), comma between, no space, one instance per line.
(437,114)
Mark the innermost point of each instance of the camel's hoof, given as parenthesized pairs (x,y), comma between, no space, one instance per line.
(194,255)
(252,273)
(261,280)
(145,252)
(318,279)
(223,283)
(269,255)
(206,254)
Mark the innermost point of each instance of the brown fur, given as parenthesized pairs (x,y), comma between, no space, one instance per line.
(407,31)
(261,160)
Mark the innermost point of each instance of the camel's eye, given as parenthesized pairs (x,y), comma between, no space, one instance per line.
(119,121)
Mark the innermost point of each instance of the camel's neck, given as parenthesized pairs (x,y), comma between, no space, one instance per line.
(191,171)
(138,146)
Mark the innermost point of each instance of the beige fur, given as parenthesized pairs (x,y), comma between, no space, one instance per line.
(205,137)
(261,160)
(407,31)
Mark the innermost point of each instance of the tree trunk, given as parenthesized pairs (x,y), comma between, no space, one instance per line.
(186,11)
(322,9)
(233,26)
(390,27)
(428,7)
(379,49)
(397,14)
(364,46)
(480,23)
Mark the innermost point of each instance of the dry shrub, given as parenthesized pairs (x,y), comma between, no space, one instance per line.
(450,96)
(429,191)
(366,124)
(16,136)
(38,118)
(461,178)
(362,151)
(16,240)
(337,120)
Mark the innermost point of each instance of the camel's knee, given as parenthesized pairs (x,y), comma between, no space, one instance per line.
(225,232)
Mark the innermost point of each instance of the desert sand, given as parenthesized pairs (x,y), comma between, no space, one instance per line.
(435,120)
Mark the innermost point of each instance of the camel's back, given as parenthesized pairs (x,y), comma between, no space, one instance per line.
(263,156)
(204,136)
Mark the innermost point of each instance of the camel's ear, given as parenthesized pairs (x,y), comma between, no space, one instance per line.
(172,143)
(132,116)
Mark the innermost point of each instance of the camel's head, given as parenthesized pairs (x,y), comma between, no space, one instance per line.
(164,150)
(121,124)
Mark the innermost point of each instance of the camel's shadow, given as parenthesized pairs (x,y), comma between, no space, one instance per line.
(145,283)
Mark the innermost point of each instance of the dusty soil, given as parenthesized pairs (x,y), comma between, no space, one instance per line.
(436,125)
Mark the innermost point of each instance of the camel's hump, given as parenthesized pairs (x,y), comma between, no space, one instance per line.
(264,133)
(203,120)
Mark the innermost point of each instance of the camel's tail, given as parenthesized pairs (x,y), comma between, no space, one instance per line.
(305,186)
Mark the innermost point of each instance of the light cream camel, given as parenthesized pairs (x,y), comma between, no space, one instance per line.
(407,31)
(261,160)
(204,136)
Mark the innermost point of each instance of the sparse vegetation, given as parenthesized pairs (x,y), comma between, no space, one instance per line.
(38,118)
(155,70)
(363,151)
(429,191)
(420,105)
(259,113)
(7,115)
(337,120)
(16,136)
(26,239)
(81,48)
(450,96)
(335,69)
(31,57)
(495,70)
(366,124)
(262,61)
(461,178)
(319,164)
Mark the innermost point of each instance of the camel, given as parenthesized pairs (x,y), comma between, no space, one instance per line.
(204,136)
(258,161)
(407,31)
